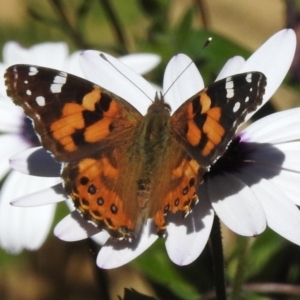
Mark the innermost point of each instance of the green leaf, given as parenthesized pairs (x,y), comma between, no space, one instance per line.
(157,266)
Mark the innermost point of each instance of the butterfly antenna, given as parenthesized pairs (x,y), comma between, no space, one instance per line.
(105,58)
(202,48)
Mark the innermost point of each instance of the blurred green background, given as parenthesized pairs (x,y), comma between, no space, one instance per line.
(61,270)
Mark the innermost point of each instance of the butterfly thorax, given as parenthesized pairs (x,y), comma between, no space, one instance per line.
(154,131)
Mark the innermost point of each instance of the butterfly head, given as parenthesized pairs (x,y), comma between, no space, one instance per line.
(159,105)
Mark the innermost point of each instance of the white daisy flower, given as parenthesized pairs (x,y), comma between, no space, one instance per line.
(244,199)
(18,226)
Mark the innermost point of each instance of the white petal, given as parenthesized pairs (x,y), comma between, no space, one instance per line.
(278,163)
(49,195)
(18,226)
(265,155)
(282,156)
(3,67)
(182,80)
(11,116)
(51,55)
(274,59)
(141,63)
(117,78)
(288,183)
(117,253)
(36,162)
(12,144)
(282,215)
(101,237)
(75,228)
(13,53)
(276,128)
(232,66)
(72,64)
(193,231)
(236,205)
(81,232)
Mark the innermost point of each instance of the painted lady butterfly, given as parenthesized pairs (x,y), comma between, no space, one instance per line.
(120,167)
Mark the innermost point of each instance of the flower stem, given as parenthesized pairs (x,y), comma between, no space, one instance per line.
(116,24)
(100,274)
(218,259)
(239,275)
(76,36)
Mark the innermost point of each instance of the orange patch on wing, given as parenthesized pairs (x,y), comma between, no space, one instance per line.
(68,143)
(108,169)
(177,173)
(88,165)
(207,149)
(215,113)
(194,166)
(214,130)
(182,175)
(96,171)
(159,220)
(193,134)
(92,168)
(90,99)
(70,121)
(113,110)
(71,108)
(98,131)
(205,101)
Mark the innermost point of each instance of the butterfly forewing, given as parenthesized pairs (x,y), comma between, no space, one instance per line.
(212,116)
(72,116)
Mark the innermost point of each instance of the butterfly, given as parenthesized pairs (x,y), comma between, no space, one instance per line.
(119,167)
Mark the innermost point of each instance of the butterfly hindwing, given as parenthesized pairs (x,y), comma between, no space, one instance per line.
(212,116)
(72,116)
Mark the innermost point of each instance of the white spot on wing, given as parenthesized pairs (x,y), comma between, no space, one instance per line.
(15,76)
(58,82)
(247,99)
(229,88)
(249,78)
(33,71)
(15,72)
(26,81)
(28,92)
(230,93)
(40,100)
(236,107)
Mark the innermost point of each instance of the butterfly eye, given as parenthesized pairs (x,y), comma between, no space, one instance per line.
(167,106)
